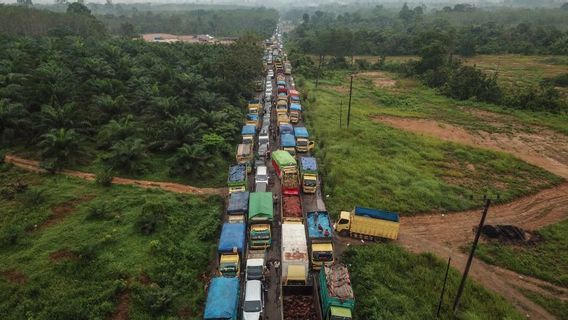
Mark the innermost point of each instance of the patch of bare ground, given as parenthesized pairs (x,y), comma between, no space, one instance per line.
(541,147)
(32,165)
(122,308)
(61,211)
(62,254)
(380,79)
(14,276)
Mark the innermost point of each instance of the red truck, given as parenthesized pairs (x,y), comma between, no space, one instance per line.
(291,208)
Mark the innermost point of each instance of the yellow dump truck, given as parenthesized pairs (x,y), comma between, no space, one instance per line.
(368,224)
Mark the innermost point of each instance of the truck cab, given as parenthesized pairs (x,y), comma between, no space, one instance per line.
(343,225)
(248,133)
(245,155)
(303,143)
(256,265)
(231,246)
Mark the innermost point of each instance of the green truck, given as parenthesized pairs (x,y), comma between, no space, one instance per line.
(260,216)
(334,293)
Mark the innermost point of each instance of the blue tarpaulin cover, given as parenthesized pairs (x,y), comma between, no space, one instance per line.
(377,214)
(286,129)
(295,107)
(237,173)
(248,130)
(281,83)
(222,298)
(252,116)
(287,140)
(254,101)
(308,164)
(238,202)
(232,236)
(301,132)
(314,221)
(296,98)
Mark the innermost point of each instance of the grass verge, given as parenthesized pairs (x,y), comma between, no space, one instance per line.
(72,250)
(556,307)
(372,164)
(547,259)
(391,283)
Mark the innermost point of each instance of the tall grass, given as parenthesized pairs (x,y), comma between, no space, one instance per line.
(79,267)
(372,164)
(547,259)
(391,283)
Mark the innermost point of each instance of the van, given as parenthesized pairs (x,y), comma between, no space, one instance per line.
(253,305)
(261,174)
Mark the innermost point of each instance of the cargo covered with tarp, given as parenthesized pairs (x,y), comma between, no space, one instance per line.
(308,165)
(238,203)
(295,107)
(319,226)
(287,140)
(260,206)
(283,158)
(237,175)
(222,299)
(249,129)
(301,132)
(232,238)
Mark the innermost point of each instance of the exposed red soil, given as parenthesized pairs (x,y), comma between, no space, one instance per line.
(62,210)
(541,147)
(62,254)
(121,311)
(32,165)
(14,276)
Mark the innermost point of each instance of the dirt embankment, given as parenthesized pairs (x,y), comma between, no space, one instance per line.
(32,165)
(540,147)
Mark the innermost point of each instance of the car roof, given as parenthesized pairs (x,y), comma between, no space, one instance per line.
(253,290)
(262,169)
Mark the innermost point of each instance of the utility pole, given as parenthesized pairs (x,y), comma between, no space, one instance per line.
(443,288)
(472,252)
(349,108)
(318,75)
(340,112)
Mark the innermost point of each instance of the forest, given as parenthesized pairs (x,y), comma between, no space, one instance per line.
(440,42)
(119,104)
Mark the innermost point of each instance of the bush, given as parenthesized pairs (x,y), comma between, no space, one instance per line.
(100,211)
(2,157)
(152,215)
(104,177)
(157,300)
(33,197)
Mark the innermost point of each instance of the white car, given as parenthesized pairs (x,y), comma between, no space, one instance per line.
(261,174)
(268,94)
(253,305)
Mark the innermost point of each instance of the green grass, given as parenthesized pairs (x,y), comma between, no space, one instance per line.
(105,255)
(372,164)
(547,259)
(391,283)
(556,307)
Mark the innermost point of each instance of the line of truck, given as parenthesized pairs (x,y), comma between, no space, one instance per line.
(313,285)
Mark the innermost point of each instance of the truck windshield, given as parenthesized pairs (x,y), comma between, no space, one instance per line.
(257,235)
(252,306)
(310,183)
(323,256)
(302,142)
(254,272)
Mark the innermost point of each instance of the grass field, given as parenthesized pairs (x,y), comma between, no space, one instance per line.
(372,164)
(390,283)
(556,307)
(518,71)
(70,249)
(547,259)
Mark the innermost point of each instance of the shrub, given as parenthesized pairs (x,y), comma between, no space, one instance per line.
(104,177)
(33,197)
(2,157)
(152,214)
(157,300)
(100,211)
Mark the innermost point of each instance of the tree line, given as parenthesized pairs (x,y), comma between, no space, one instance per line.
(380,32)
(74,100)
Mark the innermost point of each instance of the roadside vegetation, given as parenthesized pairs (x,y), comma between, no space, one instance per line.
(139,109)
(401,285)
(70,249)
(546,258)
(559,308)
(372,164)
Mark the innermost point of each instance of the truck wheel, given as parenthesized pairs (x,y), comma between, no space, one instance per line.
(344,233)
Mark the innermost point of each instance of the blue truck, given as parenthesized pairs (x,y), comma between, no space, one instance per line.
(231,248)
(222,299)
(248,132)
(303,143)
(288,143)
(320,238)
(237,208)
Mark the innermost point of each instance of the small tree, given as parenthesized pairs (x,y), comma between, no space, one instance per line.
(127,156)
(59,147)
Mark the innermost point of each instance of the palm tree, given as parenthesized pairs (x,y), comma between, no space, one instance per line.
(177,131)
(192,160)
(116,130)
(59,147)
(127,155)
(65,116)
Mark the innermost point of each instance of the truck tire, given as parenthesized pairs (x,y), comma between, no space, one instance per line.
(344,233)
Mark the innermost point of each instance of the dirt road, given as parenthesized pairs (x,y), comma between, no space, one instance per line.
(32,165)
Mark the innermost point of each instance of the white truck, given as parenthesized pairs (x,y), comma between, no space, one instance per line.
(295,257)
(256,264)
